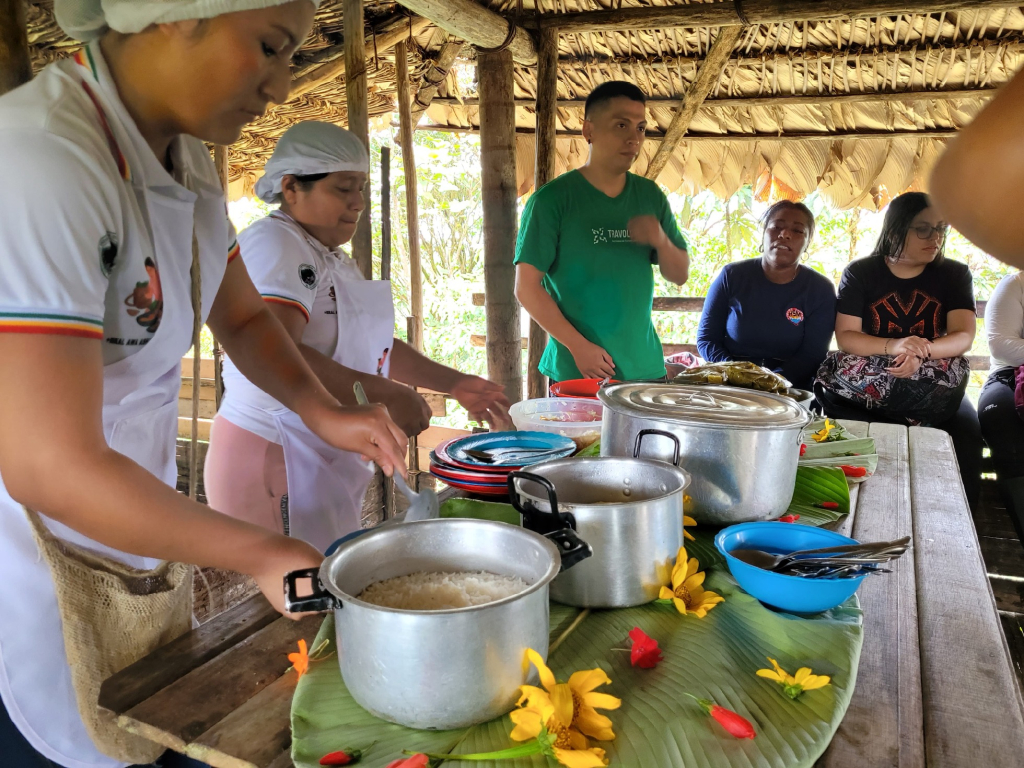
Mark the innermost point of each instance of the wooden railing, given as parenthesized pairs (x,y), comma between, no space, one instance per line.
(696,304)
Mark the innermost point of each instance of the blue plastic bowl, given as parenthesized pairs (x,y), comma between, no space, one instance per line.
(788,593)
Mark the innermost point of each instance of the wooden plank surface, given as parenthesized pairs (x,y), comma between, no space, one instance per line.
(883,726)
(973,713)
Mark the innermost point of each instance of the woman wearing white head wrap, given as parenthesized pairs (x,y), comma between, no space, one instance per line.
(116,205)
(264,465)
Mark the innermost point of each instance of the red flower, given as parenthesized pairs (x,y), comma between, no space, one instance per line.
(789,518)
(803,449)
(853,471)
(828,504)
(645,652)
(736,725)
(342,757)
(416,761)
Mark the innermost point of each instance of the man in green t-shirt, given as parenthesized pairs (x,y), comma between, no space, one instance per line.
(586,245)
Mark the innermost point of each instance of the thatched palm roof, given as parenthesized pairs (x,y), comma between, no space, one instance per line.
(857,109)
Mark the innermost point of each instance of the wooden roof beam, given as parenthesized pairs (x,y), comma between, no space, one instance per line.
(781,100)
(433,75)
(754,12)
(478,26)
(709,73)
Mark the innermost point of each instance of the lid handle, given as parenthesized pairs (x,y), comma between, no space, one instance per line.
(709,400)
(676,448)
(534,518)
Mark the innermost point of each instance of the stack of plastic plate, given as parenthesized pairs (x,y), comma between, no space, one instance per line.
(481,463)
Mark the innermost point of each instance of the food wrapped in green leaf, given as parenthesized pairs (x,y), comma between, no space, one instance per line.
(738,373)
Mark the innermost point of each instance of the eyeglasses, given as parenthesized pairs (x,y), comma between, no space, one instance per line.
(925,232)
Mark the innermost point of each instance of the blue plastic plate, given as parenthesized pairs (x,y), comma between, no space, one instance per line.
(508,441)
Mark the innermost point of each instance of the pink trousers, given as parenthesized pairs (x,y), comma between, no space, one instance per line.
(245,476)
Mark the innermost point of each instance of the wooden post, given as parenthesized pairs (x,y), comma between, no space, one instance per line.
(414,448)
(412,214)
(544,171)
(358,121)
(220,159)
(433,76)
(708,74)
(478,25)
(385,213)
(15,65)
(498,182)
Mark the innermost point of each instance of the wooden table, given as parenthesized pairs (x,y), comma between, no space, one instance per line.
(935,688)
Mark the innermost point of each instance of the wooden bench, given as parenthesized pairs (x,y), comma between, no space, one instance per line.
(935,688)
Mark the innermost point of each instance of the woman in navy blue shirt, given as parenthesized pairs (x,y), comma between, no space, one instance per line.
(772,310)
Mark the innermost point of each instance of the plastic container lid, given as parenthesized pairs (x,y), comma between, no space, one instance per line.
(710,406)
(580,388)
(571,417)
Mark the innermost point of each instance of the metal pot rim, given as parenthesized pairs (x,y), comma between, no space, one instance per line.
(344,597)
(686,480)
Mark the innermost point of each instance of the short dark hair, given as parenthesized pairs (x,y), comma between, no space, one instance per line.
(896,224)
(766,219)
(307,181)
(612,90)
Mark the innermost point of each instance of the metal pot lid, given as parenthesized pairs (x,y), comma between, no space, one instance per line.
(731,407)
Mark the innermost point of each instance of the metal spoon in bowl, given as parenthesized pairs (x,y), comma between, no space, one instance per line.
(769,562)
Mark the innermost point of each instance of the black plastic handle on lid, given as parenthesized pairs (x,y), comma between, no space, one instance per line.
(320,601)
(676,449)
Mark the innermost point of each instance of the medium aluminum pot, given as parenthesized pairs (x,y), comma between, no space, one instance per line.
(629,510)
(740,446)
(438,669)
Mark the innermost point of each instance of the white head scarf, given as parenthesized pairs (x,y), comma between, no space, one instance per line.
(88,19)
(309,148)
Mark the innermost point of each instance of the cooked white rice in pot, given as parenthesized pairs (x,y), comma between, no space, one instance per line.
(439,591)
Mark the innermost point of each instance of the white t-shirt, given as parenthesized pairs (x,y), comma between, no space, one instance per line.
(288,266)
(1004,322)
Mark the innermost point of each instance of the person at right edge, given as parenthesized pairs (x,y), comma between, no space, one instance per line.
(587,242)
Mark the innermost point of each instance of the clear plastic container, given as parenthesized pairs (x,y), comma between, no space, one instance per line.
(575,418)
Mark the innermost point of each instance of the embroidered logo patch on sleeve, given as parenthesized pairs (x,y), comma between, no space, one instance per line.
(794,315)
(308,275)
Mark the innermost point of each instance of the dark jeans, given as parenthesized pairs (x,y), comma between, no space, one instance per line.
(16,752)
(1002,427)
(963,428)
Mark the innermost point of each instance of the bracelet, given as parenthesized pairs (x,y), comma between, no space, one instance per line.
(885,351)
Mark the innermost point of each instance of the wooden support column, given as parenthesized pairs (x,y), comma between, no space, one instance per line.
(478,25)
(412,215)
(358,121)
(498,181)
(220,159)
(433,76)
(708,74)
(544,171)
(15,65)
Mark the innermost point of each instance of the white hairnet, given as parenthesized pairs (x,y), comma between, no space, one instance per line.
(88,19)
(308,148)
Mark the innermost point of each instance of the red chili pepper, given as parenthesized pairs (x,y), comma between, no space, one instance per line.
(853,471)
(416,761)
(736,725)
(828,504)
(789,518)
(645,652)
(342,757)
(803,449)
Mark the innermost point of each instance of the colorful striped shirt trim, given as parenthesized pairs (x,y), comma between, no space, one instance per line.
(233,252)
(56,325)
(85,60)
(274,299)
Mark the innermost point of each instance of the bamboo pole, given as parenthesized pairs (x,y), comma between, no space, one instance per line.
(358,121)
(414,448)
(544,171)
(385,274)
(753,12)
(412,215)
(15,65)
(498,181)
(478,25)
(221,160)
(709,72)
(433,76)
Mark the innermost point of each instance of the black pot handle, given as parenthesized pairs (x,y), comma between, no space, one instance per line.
(676,450)
(320,601)
(557,527)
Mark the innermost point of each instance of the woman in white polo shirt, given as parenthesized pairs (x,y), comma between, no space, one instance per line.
(112,202)
(264,464)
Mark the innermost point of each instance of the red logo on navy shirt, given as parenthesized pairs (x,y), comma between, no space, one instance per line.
(794,315)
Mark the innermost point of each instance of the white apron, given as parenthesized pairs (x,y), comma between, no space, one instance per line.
(326,485)
(139,421)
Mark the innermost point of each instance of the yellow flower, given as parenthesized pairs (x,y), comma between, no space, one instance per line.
(687,520)
(300,660)
(794,685)
(687,594)
(569,713)
(822,434)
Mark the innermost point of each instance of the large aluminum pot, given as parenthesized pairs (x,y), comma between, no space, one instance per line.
(740,446)
(629,510)
(438,669)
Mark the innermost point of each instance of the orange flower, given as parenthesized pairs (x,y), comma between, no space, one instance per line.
(300,660)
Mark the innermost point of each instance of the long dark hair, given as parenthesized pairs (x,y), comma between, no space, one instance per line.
(782,205)
(896,225)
